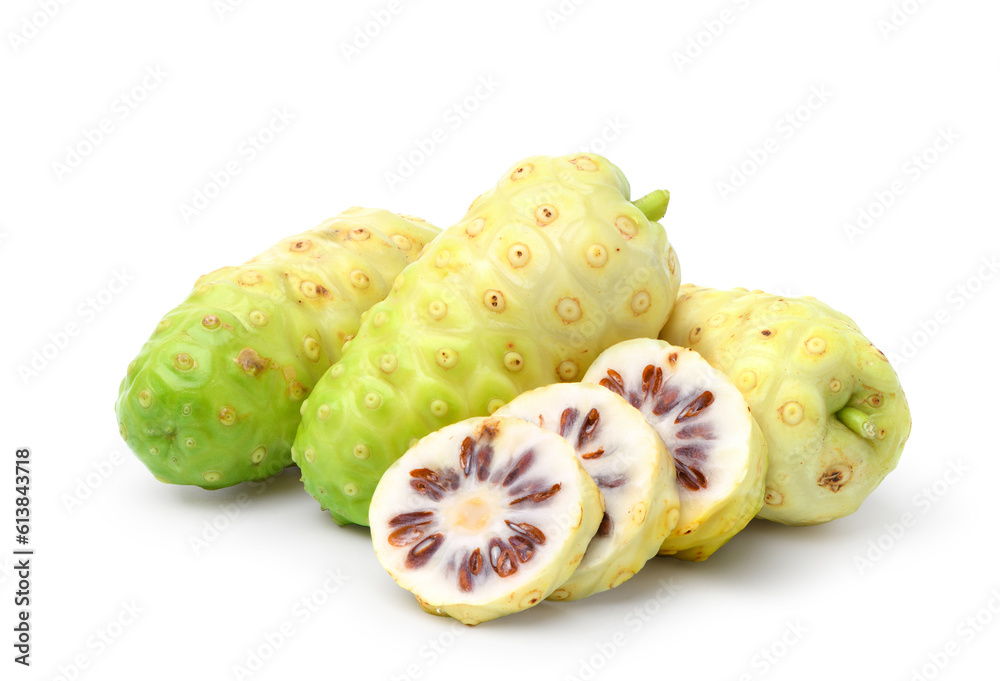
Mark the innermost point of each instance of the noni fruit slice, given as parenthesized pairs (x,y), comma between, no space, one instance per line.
(830,405)
(484,517)
(213,397)
(718,449)
(632,469)
(546,270)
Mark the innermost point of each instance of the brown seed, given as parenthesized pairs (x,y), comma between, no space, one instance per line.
(484,457)
(410,518)
(610,483)
(652,379)
(523,548)
(405,536)
(596,454)
(696,406)
(502,558)
(520,466)
(464,578)
(604,530)
(566,420)
(465,455)
(614,382)
(692,478)
(425,482)
(589,428)
(528,530)
(539,497)
(422,552)
(700,431)
(665,401)
(475,562)
(689,452)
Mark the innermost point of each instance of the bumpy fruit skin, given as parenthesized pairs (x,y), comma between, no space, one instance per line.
(545,270)
(798,363)
(213,397)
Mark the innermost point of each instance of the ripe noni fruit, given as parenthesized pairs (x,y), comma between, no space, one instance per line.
(830,405)
(213,397)
(546,270)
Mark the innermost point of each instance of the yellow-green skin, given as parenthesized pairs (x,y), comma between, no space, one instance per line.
(545,271)
(213,397)
(797,363)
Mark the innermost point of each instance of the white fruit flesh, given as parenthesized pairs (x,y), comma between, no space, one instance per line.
(717,447)
(484,518)
(632,469)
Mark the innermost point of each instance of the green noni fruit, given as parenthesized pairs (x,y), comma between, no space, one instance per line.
(213,397)
(829,404)
(545,271)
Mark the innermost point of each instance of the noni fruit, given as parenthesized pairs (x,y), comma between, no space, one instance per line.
(213,397)
(829,404)
(545,271)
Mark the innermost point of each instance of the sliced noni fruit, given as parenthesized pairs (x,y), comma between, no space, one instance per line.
(632,469)
(484,518)
(717,447)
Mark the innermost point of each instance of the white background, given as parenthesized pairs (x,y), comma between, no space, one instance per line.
(862,597)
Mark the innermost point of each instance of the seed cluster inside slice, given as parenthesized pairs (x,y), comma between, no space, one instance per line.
(699,414)
(484,517)
(632,469)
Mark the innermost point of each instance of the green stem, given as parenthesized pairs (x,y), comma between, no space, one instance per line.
(858,421)
(654,204)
